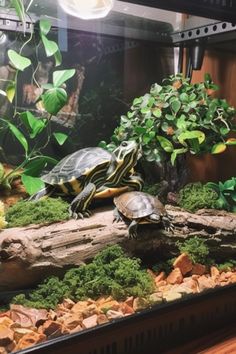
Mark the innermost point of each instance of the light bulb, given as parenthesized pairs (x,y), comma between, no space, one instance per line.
(87,9)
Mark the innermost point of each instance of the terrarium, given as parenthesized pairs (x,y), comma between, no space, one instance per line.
(117,174)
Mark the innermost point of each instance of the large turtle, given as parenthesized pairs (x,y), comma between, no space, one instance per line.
(140,208)
(92,171)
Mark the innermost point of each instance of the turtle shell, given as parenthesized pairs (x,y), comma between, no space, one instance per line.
(135,205)
(80,163)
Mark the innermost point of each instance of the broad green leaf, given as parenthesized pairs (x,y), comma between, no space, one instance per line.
(146,138)
(149,123)
(20,10)
(11,90)
(3,93)
(233,196)
(50,47)
(155,89)
(140,130)
(218,148)
(194,134)
(165,144)
(61,76)
(19,135)
(137,101)
(18,61)
(35,167)
(169,117)
(157,112)
(181,123)
(54,99)
(229,184)
(175,105)
(175,153)
(32,184)
(2,171)
(60,137)
(44,26)
(231,141)
(145,110)
(33,124)
(183,97)
(58,58)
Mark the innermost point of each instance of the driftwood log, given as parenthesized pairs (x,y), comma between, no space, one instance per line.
(29,254)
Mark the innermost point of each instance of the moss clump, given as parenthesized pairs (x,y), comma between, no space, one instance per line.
(227,266)
(195,196)
(43,211)
(196,249)
(165,266)
(110,273)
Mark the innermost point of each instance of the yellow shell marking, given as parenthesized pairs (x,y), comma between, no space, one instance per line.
(75,184)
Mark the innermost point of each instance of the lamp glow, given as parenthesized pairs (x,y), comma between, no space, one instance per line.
(87,9)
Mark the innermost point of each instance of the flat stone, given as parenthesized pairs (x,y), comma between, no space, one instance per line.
(6,321)
(90,310)
(112,315)
(72,321)
(129,301)
(80,306)
(172,295)
(53,329)
(102,318)
(27,317)
(20,332)
(126,309)
(3,350)
(155,298)
(205,282)
(160,283)
(30,339)
(214,271)
(76,329)
(68,303)
(109,305)
(140,303)
(184,263)
(90,321)
(198,269)
(175,277)
(6,336)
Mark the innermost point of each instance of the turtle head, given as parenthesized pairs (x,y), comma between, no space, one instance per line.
(125,157)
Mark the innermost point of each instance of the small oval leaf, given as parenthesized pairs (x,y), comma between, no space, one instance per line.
(18,61)
(61,76)
(218,148)
(60,137)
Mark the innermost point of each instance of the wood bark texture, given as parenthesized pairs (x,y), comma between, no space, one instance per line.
(29,254)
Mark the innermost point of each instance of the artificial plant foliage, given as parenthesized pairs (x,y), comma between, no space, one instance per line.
(111,272)
(25,127)
(175,118)
(195,196)
(226,192)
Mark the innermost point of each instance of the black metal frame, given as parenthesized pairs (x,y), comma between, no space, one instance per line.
(223,10)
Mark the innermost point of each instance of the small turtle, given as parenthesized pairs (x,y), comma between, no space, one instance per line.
(140,208)
(92,171)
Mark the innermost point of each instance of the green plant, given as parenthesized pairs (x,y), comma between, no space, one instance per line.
(226,192)
(41,212)
(165,266)
(195,196)
(110,273)
(25,127)
(227,266)
(196,249)
(175,118)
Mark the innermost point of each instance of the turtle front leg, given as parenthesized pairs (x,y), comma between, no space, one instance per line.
(117,216)
(133,229)
(79,205)
(169,227)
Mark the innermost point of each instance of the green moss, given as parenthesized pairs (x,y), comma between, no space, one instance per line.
(110,273)
(196,248)
(43,211)
(153,189)
(195,196)
(227,266)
